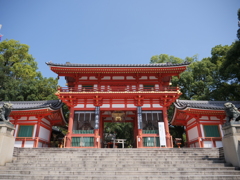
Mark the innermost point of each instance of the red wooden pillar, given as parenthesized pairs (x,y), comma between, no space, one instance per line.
(139,127)
(165,119)
(139,139)
(96,138)
(70,126)
(199,132)
(37,130)
(97,141)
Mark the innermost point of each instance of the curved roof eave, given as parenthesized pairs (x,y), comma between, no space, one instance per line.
(118,65)
(203,105)
(35,105)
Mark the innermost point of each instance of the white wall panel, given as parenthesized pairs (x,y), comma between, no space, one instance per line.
(191,121)
(118,105)
(106,78)
(34,131)
(39,144)
(207,144)
(79,106)
(46,121)
(29,144)
(92,78)
(143,77)
(44,133)
(220,128)
(18,144)
(33,118)
(214,118)
(204,118)
(218,144)
(193,133)
(83,78)
(152,77)
(118,77)
(156,105)
(202,131)
(105,106)
(131,106)
(90,106)
(130,77)
(23,118)
(16,131)
(146,106)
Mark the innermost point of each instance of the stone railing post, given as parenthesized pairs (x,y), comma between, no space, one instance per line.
(231,143)
(7,141)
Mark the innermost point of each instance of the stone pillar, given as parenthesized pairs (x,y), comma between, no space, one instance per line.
(7,141)
(231,143)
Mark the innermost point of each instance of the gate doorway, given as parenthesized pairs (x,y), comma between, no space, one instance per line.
(117,133)
(119,125)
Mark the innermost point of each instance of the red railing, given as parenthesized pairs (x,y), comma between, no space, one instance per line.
(116,89)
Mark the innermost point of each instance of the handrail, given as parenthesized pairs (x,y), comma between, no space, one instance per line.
(116,89)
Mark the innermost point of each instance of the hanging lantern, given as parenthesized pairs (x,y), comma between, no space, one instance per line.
(118,115)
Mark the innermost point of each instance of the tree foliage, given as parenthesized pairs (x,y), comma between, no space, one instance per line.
(213,78)
(20,80)
(238,32)
(165,58)
(122,131)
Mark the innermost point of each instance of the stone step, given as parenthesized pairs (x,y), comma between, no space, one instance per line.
(136,168)
(116,173)
(117,153)
(114,158)
(122,162)
(97,164)
(118,164)
(126,177)
(127,152)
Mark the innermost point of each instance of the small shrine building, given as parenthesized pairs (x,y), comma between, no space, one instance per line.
(33,121)
(135,93)
(202,120)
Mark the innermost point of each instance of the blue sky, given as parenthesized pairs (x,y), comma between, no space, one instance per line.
(117,31)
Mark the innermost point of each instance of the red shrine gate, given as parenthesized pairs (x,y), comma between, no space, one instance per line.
(140,94)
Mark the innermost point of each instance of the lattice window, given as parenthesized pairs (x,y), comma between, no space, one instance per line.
(25,131)
(151,142)
(82,141)
(211,131)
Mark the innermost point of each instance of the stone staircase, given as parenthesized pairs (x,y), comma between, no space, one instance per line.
(117,164)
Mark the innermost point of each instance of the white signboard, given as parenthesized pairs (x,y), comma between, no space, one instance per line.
(162,135)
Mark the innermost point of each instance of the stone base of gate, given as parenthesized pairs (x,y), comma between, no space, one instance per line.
(7,141)
(231,143)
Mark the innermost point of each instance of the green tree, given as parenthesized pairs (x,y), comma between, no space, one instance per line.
(238,32)
(20,80)
(165,58)
(122,131)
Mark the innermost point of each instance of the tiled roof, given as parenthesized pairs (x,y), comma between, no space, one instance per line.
(214,105)
(118,65)
(26,105)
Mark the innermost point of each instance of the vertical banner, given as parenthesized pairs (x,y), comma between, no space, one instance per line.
(97,110)
(139,115)
(162,134)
